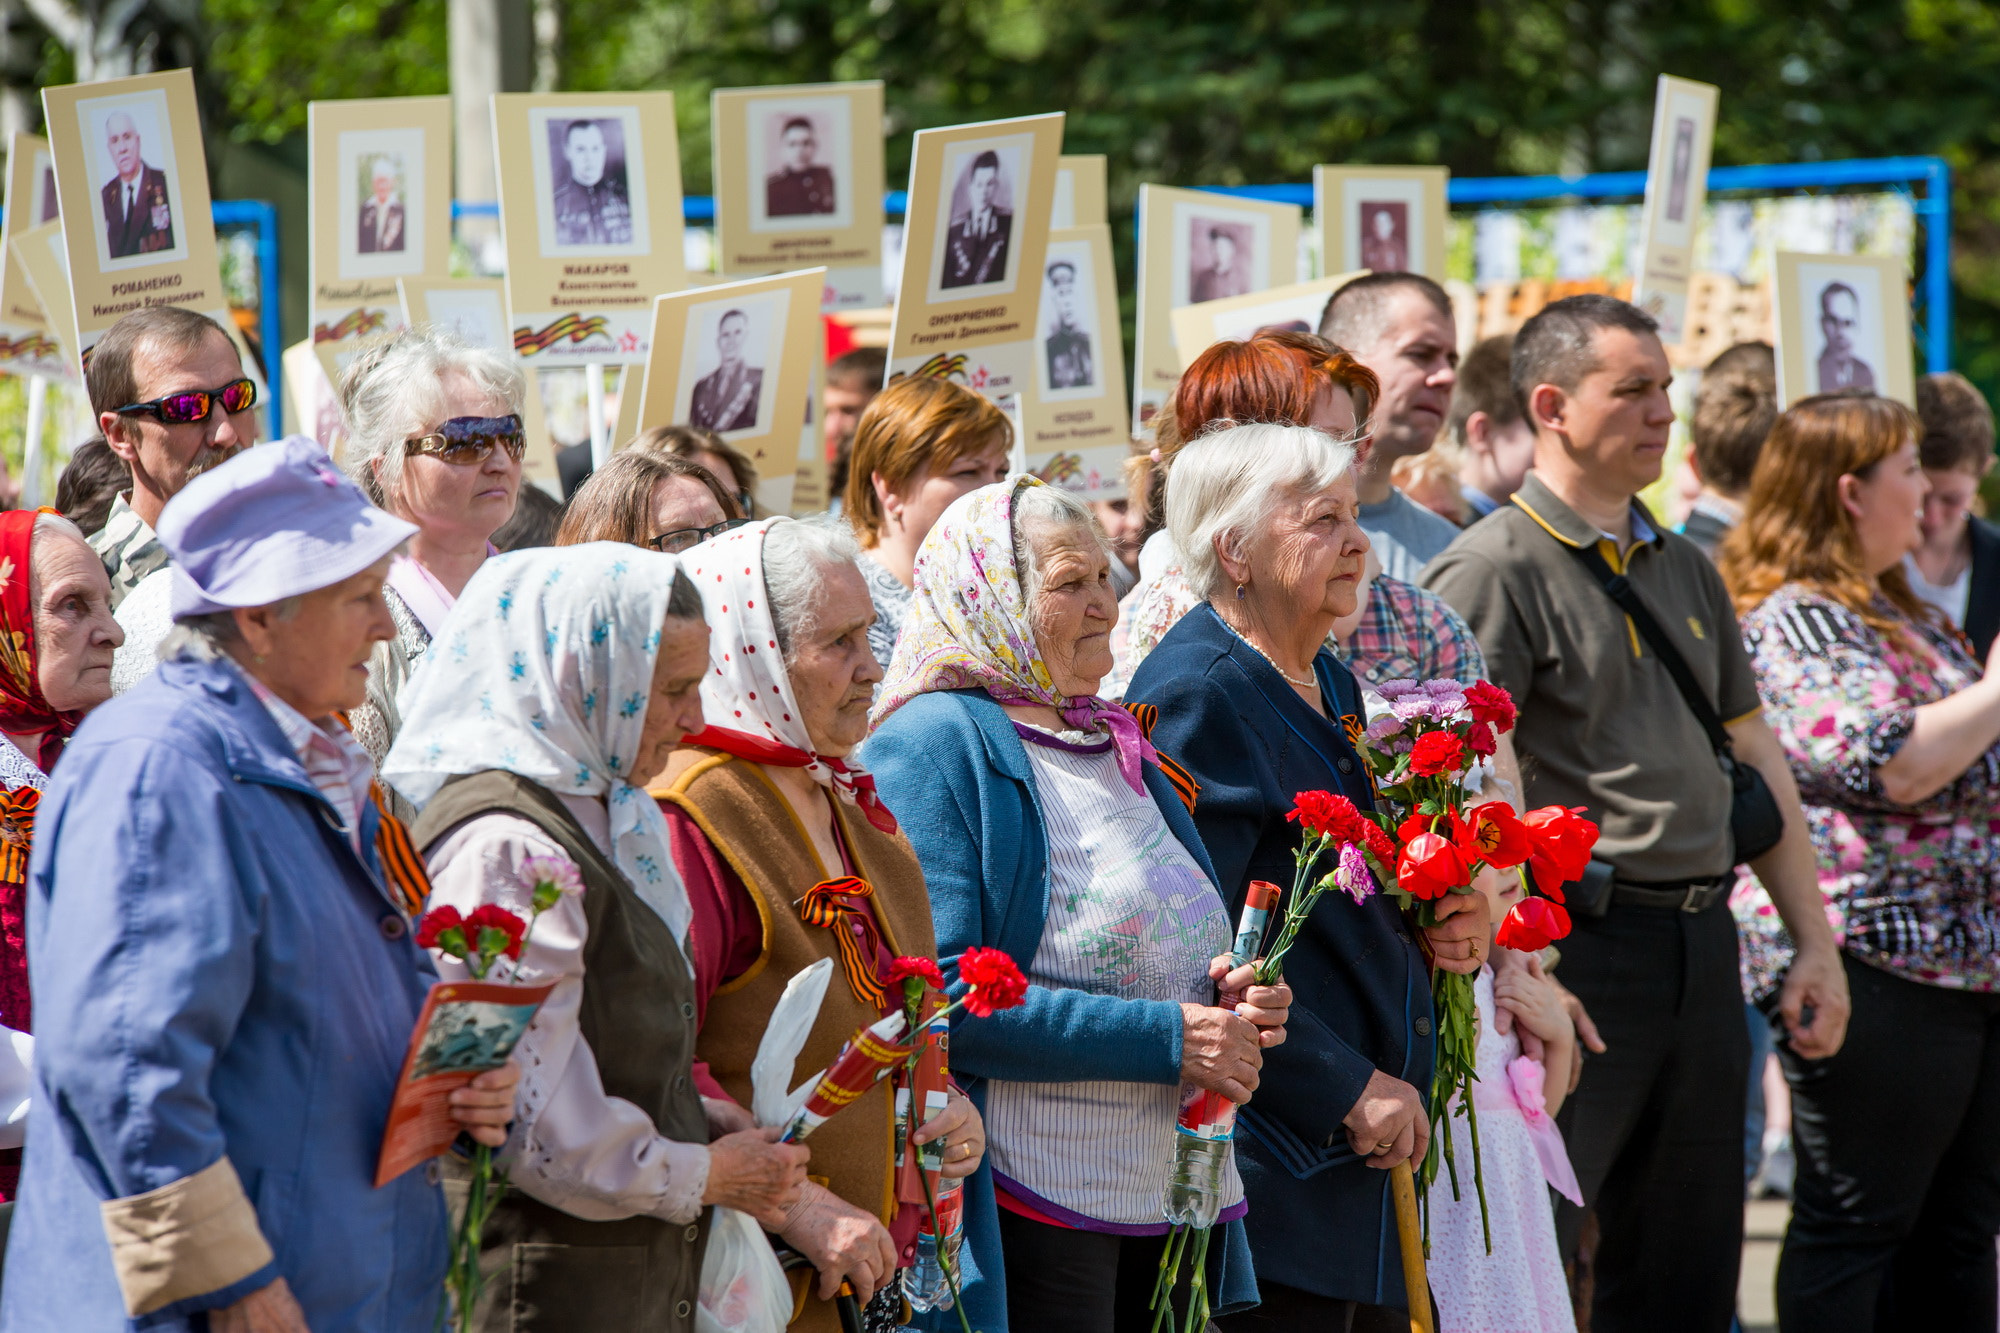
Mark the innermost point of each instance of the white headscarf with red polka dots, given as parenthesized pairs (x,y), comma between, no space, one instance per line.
(747,692)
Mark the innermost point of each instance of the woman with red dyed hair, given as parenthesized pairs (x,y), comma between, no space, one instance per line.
(1281,377)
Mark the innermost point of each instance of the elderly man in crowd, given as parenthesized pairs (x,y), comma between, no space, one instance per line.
(1656,1128)
(1399,325)
(226,983)
(171,397)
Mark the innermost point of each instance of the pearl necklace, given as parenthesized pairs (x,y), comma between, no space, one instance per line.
(1293,681)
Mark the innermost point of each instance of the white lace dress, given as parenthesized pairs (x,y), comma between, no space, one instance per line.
(1519,1288)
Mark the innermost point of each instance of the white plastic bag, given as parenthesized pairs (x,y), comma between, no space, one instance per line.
(743,1289)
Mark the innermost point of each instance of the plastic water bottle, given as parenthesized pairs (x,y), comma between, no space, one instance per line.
(924,1281)
(1202,1143)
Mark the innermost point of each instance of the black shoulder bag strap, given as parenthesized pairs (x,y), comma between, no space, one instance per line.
(1754,817)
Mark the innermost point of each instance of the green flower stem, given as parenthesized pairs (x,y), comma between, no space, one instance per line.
(945,1261)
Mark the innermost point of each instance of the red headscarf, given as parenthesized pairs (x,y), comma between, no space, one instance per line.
(23,708)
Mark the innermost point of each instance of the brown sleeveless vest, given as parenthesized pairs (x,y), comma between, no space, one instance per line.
(546,1271)
(753,827)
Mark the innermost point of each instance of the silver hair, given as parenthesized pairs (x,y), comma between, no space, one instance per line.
(1227,484)
(1048,508)
(395,391)
(47,523)
(209,636)
(798,553)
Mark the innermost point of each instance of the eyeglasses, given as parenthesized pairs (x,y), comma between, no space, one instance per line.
(464,441)
(192,405)
(680,539)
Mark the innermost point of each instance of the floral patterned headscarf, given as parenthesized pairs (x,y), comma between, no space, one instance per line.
(544,667)
(969,626)
(23,706)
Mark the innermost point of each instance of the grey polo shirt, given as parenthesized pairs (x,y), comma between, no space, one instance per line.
(1601,724)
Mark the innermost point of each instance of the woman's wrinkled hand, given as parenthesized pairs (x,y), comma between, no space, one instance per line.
(753,1173)
(725,1117)
(1266,1007)
(842,1242)
(484,1107)
(963,1132)
(1219,1051)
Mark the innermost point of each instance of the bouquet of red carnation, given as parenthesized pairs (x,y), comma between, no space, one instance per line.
(1427,839)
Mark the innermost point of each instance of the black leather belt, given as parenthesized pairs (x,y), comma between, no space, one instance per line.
(1694,895)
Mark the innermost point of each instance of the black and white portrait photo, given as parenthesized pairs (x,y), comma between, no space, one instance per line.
(129,143)
(730,364)
(1841,364)
(380,181)
(591,201)
(1220,259)
(1069,324)
(982,222)
(1678,173)
(1385,235)
(802,184)
(726,398)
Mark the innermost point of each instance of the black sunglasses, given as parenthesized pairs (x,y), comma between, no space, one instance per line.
(467,440)
(192,405)
(680,539)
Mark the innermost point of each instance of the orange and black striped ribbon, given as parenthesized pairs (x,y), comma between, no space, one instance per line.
(1146,715)
(409,881)
(17,832)
(836,906)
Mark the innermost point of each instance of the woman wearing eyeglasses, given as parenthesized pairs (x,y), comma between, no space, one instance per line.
(434,437)
(641,498)
(699,445)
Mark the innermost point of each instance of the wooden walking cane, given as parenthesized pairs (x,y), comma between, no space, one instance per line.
(1411,1232)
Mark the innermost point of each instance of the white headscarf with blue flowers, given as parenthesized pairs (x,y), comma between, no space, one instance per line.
(543,668)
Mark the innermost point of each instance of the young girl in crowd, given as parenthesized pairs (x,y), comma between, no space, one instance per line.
(1519,1287)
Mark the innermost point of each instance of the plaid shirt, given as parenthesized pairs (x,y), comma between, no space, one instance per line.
(1408,633)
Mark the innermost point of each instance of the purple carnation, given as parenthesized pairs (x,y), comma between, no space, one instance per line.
(1353,875)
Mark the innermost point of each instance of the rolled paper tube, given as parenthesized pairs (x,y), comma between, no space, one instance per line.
(1257,905)
(863,1061)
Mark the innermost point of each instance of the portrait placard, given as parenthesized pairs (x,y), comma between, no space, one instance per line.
(1296,306)
(1080,192)
(1843,322)
(1194,246)
(1383,219)
(311,405)
(736,359)
(30,342)
(973,244)
(44,259)
(380,191)
(133,181)
(1077,432)
(1676,188)
(476,310)
(590,213)
(810,477)
(798,180)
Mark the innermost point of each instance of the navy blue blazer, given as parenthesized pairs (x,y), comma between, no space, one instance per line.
(1320,1220)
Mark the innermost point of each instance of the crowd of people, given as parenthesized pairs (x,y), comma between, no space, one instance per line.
(262,710)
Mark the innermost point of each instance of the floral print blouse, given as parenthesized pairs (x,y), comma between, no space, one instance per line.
(1911,889)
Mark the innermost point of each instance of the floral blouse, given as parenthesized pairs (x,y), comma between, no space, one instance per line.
(1911,889)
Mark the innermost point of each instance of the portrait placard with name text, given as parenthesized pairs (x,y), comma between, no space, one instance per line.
(30,342)
(590,211)
(1383,219)
(1075,422)
(1843,324)
(1676,189)
(380,192)
(798,181)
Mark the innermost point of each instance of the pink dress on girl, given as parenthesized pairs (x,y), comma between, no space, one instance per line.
(1520,1287)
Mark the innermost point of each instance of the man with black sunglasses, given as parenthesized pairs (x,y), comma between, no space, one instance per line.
(170,395)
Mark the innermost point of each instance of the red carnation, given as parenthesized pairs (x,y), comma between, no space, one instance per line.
(435,923)
(1332,816)
(1436,753)
(1481,739)
(1490,703)
(1499,838)
(1431,866)
(922,968)
(995,981)
(1380,846)
(492,916)
(1531,925)
(1562,842)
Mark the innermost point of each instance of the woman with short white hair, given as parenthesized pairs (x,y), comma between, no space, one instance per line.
(1249,700)
(434,437)
(1048,830)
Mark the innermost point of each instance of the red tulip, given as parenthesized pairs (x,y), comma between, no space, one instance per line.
(1499,838)
(1431,866)
(1562,842)
(1531,925)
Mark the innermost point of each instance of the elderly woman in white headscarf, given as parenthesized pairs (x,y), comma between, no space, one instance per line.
(559,676)
(789,858)
(435,437)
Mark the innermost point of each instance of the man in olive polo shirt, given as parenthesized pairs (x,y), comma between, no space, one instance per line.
(1655,1129)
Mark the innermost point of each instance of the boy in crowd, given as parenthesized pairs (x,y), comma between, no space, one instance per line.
(1496,444)
(1734,406)
(1957,569)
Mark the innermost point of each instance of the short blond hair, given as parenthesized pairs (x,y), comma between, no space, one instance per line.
(915,426)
